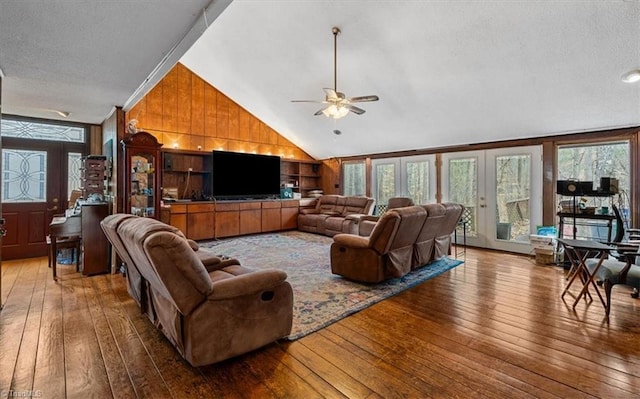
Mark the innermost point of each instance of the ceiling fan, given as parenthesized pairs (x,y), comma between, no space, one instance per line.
(337,104)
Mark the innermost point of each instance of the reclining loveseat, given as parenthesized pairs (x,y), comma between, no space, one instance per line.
(209,312)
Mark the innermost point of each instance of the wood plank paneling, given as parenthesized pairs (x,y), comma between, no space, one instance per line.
(153,120)
(210,111)
(197,105)
(183,106)
(222,116)
(170,101)
(234,121)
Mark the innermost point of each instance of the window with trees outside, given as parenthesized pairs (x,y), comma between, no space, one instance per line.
(354,178)
(590,162)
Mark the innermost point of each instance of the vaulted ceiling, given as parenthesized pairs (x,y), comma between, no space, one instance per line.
(447,72)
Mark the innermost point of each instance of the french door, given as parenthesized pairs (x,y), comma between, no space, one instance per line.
(413,177)
(501,190)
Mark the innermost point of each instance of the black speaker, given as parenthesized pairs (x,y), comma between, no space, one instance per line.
(608,185)
(569,187)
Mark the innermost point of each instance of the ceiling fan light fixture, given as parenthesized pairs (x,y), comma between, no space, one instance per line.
(335,111)
(631,76)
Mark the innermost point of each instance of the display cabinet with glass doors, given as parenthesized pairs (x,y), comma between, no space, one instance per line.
(140,175)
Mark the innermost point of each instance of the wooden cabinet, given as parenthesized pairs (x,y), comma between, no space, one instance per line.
(141,180)
(250,217)
(227,219)
(96,251)
(200,221)
(178,217)
(207,220)
(271,212)
(289,215)
(187,173)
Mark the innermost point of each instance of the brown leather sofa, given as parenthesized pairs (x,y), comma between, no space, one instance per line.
(209,313)
(402,240)
(335,214)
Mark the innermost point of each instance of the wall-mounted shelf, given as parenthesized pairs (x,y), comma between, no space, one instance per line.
(303,175)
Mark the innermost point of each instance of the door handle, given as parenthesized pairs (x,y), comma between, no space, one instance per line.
(55,206)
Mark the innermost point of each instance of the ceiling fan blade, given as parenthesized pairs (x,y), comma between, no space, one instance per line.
(354,109)
(332,94)
(319,112)
(363,99)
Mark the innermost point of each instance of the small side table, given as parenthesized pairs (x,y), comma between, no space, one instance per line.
(578,251)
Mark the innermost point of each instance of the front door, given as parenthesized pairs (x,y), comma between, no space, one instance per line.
(502,192)
(35,185)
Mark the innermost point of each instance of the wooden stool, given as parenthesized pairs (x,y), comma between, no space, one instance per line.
(63,243)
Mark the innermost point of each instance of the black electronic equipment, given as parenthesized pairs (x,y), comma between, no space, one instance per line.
(569,187)
(239,175)
(608,185)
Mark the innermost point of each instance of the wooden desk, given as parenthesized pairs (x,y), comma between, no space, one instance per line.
(96,250)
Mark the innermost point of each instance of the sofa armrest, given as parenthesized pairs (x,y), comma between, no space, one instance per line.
(249,283)
(217,262)
(331,213)
(351,240)
(194,245)
(308,211)
(361,217)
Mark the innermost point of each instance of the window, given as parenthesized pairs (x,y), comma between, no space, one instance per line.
(590,162)
(354,178)
(42,131)
(24,176)
(74,162)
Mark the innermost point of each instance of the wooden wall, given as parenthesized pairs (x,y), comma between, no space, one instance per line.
(183,111)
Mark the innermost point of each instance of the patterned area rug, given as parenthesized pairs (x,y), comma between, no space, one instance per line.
(319,297)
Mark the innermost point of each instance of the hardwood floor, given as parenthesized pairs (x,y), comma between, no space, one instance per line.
(494,327)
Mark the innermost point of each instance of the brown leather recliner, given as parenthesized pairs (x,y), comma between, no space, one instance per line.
(442,243)
(386,254)
(367,223)
(209,314)
(135,282)
(434,240)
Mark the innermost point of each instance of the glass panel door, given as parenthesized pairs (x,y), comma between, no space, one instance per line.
(412,177)
(502,192)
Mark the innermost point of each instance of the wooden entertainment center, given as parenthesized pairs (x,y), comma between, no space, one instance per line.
(202,220)
(200,217)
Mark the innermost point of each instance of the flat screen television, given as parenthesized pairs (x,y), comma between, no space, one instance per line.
(237,175)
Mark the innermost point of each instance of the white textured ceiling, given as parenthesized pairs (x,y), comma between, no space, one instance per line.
(87,56)
(447,72)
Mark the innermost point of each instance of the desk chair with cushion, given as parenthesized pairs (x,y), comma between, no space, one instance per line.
(614,271)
